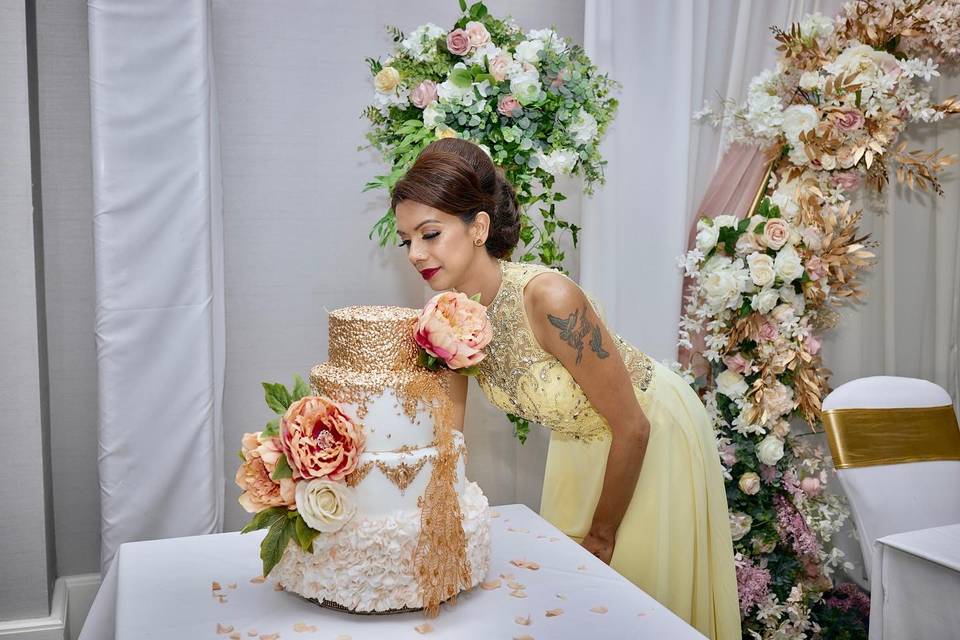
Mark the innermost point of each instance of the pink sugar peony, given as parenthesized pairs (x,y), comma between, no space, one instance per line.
(454,328)
(319,440)
(508,105)
(424,94)
(458,42)
(499,66)
(260,491)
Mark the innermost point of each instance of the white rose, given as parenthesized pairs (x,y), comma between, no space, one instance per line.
(799,118)
(386,80)
(707,235)
(740,524)
(810,81)
(788,265)
(324,505)
(529,51)
(761,269)
(725,221)
(750,483)
(770,450)
(731,384)
(525,87)
(721,289)
(765,301)
(786,203)
(558,161)
(584,127)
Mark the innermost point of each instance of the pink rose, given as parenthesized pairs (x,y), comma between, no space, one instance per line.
(477,34)
(728,455)
(847,119)
(260,491)
(846,180)
(454,328)
(812,344)
(423,94)
(810,486)
(776,232)
(319,440)
(815,268)
(768,332)
(498,67)
(508,105)
(738,363)
(458,42)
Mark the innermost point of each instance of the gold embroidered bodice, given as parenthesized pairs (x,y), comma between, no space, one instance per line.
(521,378)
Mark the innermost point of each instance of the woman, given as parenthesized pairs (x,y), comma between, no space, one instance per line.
(633,472)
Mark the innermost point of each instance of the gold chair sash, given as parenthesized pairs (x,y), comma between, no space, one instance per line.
(868,437)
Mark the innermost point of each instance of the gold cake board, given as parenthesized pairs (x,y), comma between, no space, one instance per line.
(328,604)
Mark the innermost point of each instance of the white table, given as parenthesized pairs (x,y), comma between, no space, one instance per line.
(916,585)
(162,589)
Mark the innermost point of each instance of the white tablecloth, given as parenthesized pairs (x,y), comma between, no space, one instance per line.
(163,589)
(916,585)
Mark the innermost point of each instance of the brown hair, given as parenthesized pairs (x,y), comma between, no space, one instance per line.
(459,178)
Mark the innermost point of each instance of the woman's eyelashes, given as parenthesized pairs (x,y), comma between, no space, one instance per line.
(427,236)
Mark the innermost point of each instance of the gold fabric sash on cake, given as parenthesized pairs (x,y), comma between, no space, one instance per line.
(869,437)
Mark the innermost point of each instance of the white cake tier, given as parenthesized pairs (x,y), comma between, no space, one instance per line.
(385,414)
(369,564)
(388,481)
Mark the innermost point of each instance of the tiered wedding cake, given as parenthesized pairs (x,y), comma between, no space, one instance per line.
(409,525)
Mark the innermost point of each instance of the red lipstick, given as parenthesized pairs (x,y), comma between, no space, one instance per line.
(429,273)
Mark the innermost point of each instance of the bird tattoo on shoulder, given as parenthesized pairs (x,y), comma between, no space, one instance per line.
(575,327)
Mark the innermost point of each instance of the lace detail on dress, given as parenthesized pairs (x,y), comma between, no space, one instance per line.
(519,377)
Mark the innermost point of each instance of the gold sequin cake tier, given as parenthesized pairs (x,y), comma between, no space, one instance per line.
(373,338)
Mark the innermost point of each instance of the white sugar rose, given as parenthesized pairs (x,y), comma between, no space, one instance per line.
(731,384)
(749,483)
(761,269)
(798,119)
(740,524)
(765,301)
(325,505)
(583,128)
(707,235)
(788,264)
(770,450)
(529,51)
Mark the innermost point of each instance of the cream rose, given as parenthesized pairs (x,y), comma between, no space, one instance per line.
(386,80)
(799,118)
(529,51)
(765,301)
(776,232)
(725,220)
(761,269)
(477,34)
(749,483)
(731,384)
(707,235)
(770,450)
(810,81)
(324,505)
(740,524)
(788,264)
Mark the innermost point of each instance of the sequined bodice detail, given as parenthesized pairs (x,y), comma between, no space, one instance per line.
(521,378)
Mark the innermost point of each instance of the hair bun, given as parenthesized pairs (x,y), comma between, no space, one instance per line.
(505,219)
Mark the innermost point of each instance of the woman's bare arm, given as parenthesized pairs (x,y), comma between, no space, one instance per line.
(458,394)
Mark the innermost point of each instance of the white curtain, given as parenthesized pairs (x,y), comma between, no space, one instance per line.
(159,270)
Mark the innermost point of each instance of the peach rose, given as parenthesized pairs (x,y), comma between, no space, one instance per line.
(260,491)
(458,42)
(424,94)
(499,67)
(776,232)
(454,328)
(507,105)
(768,332)
(319,439)
(477,34)
(386,80)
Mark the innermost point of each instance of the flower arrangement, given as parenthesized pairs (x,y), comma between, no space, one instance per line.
(451,331)
(293,471)
(533,101)
(766,283)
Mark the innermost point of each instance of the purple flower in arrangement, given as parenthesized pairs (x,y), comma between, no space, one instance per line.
(768,473)
(753,584)
(793,528)
(849,597)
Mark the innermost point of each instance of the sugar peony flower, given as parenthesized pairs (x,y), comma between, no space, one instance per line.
(324,505)
(458,42)
(815,267)
(776,232)
(810,81)
(424,94)
(768,332)
(508,106)
(761,269)
(738,363)
(728,455)
(386,80)
(725,220)
(749,483)
(731,384)
(846,180)
(319,439)
(557,162)
(525,86)
(812,344)
(260,491)
(477,34)
(454,328)
(770,450)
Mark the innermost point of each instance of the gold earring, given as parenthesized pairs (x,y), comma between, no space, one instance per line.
(477,242)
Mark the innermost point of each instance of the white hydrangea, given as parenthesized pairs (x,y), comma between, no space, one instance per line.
(526,87)
(450,93)
(764,112)
(421,43)
(816,25)
(558,161)
(583,127)
(489,50)
(549,37)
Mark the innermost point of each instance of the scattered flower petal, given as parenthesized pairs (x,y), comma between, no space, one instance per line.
(303,627)
(599,609)
(223,629)
(553,613)
(524,637)
(490,585)
(258,580)
(215,586)
(423,628)
(516,593)
(525,621)
(516,585)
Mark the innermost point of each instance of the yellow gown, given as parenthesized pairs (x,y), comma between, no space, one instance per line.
(674,540)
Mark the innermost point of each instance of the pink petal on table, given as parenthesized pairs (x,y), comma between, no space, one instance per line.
(258,580)
(224,629)
(490,585)
(423,628)
(516,593)
(599,609)
(553,613)
(525,621)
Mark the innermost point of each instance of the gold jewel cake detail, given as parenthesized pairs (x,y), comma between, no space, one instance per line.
(359,473)
(402,474)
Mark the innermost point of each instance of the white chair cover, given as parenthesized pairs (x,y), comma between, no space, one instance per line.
(888,499)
